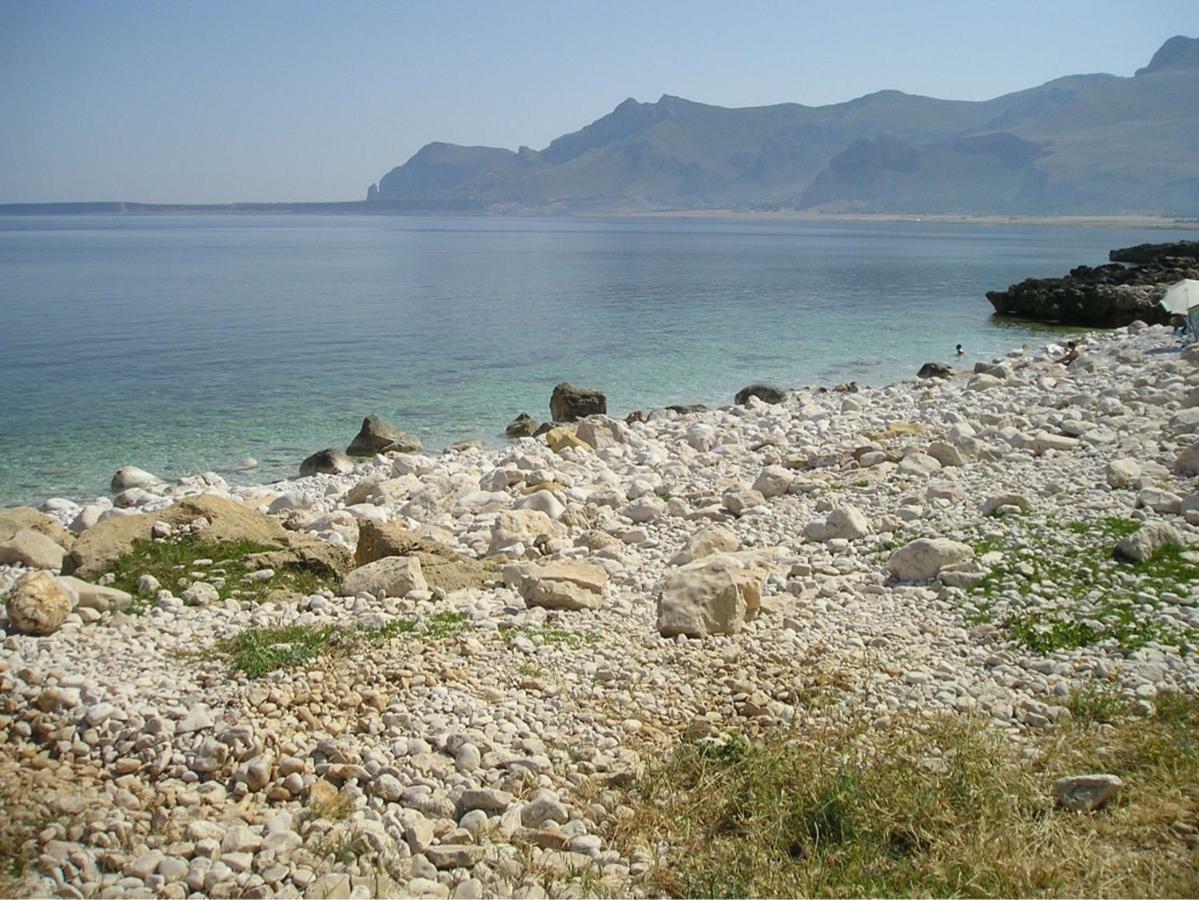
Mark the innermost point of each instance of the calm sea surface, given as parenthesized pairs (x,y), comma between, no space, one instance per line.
(182,344)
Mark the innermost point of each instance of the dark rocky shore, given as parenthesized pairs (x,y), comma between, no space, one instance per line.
(1126,289)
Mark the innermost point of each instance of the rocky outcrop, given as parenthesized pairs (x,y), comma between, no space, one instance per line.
(1105,296)
(33,549)
(441,566)
(98,548)
(569,403)
(377,435)
(20,518)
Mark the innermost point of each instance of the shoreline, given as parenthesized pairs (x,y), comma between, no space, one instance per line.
(508,640)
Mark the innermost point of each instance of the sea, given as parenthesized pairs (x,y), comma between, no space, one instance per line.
(184,344)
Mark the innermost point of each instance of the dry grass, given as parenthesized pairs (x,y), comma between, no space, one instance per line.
(934,808)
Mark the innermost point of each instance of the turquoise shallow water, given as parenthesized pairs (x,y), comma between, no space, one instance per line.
(182,344)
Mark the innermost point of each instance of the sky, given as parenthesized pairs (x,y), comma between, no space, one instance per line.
(209,101)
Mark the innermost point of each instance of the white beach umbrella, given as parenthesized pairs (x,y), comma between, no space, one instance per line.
(1181,297)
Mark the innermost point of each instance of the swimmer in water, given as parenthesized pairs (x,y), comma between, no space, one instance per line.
(959,350)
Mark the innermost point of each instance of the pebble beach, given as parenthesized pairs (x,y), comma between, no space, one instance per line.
(512,635)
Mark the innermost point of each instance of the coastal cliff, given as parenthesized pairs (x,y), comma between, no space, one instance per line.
(1105,296)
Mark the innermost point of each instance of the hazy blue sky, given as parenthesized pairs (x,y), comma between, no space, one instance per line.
(267,100)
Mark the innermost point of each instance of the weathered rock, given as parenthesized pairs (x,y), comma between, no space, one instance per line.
(993,505)
(441,565)
(740,502)
(1086,793)
(326,462)
(523,425)
(946,454)
(774,481)
(569,403)
(21,518)
(523,526)
(98,548)
(377,435)
(543,501)
(1187,461)
(845,522)
(393,576)
(1122,473)
(922,559)
(132,477)
(600,431)
(94,596)
(1147,541)
(767,393)
(714,595)
(560,584)
(37,605)
(33,549)
(934,370)
(565,436)
(706,542)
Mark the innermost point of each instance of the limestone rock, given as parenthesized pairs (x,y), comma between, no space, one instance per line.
(132,477)
(441,565)
(37,605)
(565,436)
(600,431)
(22,518)
(739,502)
(523,425)
(714,595)
(33,549)
(773,481)
(326,462)
(543,501)
(569,403)
(95,596)
(922,559)
(560,584)
(946,454)
(1122,473)
(393,576)
(767,393)
(1086,793)
(993,506)
(98,548)
(377,435)
(1187,462)
(1147,541)
(846,522)
(706,542)
(523,526)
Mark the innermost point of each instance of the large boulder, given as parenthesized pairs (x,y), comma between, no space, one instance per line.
(377,435)
(441,566)
(1187,461)
(600,431)
(934,370)
(569,403)
(393,576)
(924,558)
(774,481)
(97,549)
(1122,473)
(767,393)
(565,436)
(20,518)
(330,461)
(714,595)
(37,605)
(33,549)
(132,477)
(94,596)
(559,584)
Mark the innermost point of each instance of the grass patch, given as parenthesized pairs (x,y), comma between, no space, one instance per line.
(169,561)
(1037,592)
(256,651)
(550,636)
(945,807)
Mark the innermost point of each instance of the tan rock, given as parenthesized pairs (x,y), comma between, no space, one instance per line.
(441,566)
(565,436)
(33,549)
(714,595)
(392,576)
(98,548)
(37,605)
(95,596)
(560,584)
(18,518)
(523,526)
(705,542)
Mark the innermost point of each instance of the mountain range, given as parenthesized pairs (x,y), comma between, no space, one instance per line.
(1083,144)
